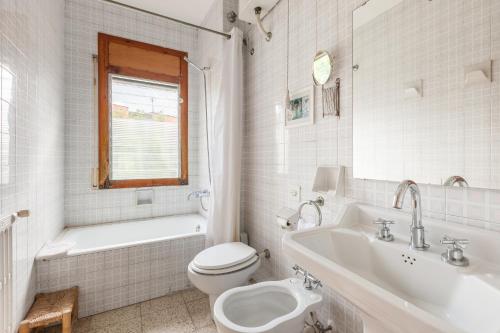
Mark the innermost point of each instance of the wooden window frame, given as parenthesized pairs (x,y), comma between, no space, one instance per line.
(104,72)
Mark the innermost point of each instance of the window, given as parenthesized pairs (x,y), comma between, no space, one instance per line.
(142,114)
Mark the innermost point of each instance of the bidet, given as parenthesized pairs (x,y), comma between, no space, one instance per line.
(266,307)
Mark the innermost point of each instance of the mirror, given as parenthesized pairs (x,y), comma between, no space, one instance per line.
(322,68)
(424,104)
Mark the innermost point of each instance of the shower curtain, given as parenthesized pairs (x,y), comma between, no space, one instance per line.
(224,212)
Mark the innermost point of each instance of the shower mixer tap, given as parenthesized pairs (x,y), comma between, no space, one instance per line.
(198,194)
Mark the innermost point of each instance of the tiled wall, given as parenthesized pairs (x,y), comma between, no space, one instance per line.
(85,205)
(32,131)
(116,278)
(278,160)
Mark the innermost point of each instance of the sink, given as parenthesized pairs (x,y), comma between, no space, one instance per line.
(398,289)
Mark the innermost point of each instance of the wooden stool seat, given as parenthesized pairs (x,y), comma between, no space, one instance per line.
(52,308)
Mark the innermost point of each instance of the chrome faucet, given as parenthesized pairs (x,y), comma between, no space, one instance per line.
(417,235)
(310,282)
(456,180)
(198,194)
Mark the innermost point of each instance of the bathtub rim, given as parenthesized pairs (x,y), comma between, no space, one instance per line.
(73,253)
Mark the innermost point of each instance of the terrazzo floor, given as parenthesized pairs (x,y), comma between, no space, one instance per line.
(181,312)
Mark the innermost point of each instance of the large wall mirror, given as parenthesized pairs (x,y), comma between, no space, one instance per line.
(426,101)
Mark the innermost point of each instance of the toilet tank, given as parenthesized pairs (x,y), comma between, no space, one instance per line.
(247,8)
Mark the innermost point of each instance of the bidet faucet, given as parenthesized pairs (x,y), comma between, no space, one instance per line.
(310,282)
(417,234)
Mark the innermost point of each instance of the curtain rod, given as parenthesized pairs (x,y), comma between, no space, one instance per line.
(228,36)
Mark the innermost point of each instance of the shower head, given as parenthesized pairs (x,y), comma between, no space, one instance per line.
(195,65)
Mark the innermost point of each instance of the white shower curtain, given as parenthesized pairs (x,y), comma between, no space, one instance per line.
(224,212)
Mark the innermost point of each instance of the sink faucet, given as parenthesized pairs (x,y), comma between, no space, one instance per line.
(417,235)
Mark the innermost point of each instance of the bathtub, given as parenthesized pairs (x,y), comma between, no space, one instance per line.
(110,236)
(123,263)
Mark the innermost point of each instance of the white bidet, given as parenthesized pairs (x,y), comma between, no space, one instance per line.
(274,306)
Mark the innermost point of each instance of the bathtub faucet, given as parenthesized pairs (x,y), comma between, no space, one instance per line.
(199,194)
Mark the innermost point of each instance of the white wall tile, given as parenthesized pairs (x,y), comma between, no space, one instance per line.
(84,205)
(31,132)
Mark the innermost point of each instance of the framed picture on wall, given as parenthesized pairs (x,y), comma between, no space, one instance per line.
(300,111)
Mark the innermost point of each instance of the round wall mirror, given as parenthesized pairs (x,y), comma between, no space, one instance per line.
(322,68)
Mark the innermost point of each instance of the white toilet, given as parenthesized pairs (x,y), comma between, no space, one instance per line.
(275,306)
(222,267)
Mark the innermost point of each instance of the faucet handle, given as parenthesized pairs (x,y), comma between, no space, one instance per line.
(299,270)
(310,282)
(382,221)
(384,233)
(454,255)
(456,243)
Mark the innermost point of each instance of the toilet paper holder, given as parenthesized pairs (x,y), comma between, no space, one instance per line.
(287,218)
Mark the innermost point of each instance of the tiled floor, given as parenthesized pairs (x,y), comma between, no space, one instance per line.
(186,311)
(181,312)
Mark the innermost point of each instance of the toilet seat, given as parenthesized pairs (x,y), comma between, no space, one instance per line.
(224,258)
(223,255)
(226,270)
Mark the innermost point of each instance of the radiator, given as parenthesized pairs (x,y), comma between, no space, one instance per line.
(6,301)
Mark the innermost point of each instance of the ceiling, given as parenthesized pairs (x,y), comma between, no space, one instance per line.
(192,11)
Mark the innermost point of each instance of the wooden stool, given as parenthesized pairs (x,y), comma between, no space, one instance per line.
(52,308)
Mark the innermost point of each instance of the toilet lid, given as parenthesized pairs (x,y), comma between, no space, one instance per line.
(227,270)
(223,256)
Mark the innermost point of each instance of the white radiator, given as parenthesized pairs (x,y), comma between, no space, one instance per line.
(6,274)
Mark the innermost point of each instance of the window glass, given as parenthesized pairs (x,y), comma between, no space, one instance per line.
(144,130)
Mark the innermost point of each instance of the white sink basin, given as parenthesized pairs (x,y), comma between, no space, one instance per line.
(399,289)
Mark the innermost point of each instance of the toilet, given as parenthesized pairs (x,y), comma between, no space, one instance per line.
(274,306)
(222,267)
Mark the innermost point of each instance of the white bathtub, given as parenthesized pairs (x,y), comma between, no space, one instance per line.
(109,236)
(123,263)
